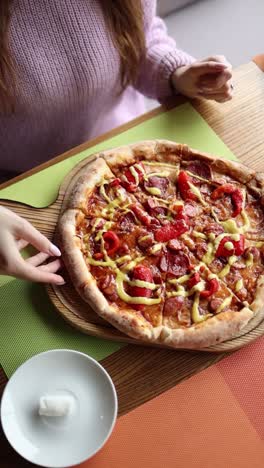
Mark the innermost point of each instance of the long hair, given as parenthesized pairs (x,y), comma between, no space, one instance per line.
(124,19)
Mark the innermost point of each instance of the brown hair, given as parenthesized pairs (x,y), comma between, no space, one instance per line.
(124,19)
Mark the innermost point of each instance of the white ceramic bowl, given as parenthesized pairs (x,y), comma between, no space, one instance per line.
(59,441)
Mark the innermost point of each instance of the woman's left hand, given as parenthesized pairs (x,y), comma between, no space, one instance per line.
(209,79)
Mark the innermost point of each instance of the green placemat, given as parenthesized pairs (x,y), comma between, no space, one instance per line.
(29,324)
(182,124)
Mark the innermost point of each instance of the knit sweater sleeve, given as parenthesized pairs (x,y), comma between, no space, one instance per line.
(162,56)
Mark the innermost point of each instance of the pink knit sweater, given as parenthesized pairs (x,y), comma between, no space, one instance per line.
(68,75)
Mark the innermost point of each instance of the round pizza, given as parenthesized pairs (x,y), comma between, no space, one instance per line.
(167,243)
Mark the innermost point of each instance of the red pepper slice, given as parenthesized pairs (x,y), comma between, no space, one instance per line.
(184,186)
(236,196)
(112,242)
(179,211)
(143,273)
(171,231)
(238,247)
(130,183)
(195,278)
(142,215)
(98,255)
(212,287)
(115,183)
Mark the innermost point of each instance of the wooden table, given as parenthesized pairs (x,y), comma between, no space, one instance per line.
(140,373)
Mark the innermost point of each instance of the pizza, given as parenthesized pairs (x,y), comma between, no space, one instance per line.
(167,243)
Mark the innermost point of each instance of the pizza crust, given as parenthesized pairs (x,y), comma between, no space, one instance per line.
(87,180)
(70,246)
(221,327)
(257,306)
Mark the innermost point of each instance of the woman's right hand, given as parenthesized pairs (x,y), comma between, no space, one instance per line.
(208,79)
(15,234)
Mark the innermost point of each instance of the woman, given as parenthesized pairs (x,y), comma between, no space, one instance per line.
(74,69)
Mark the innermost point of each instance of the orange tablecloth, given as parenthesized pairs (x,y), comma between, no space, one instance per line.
(214,419)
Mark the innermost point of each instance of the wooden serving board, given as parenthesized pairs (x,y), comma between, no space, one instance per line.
(81,316)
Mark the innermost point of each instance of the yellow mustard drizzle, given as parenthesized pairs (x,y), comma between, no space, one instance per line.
(224,304)
(227,267)
(157,163)
(120,277)
(250,260)
(197,193)
(239,285)
(198,234)
(153,190)
(197,317)
(134,174)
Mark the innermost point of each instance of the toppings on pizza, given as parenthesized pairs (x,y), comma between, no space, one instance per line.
(141,275)
(201,169)
(236,197)
(231,246)
(156,185)
(171,242)
(212,287)
(170,231)
(132,177)
(111,242)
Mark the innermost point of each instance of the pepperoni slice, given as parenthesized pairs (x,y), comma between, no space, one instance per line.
(175,244)
(172,306)
(175,263)
(201,169)
(191,210)
(161,183)
(127,222)
(154,209)
(213,228)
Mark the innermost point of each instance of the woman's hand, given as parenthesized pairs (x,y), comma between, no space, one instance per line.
(209,79)
(15,234)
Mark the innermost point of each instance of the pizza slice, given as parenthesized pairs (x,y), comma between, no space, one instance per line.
(239,263)
(111,273)
(98,193)
(235,205)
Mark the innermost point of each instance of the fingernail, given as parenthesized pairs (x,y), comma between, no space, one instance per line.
(60,282)
(54,250)
(204,88)
(220,65)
